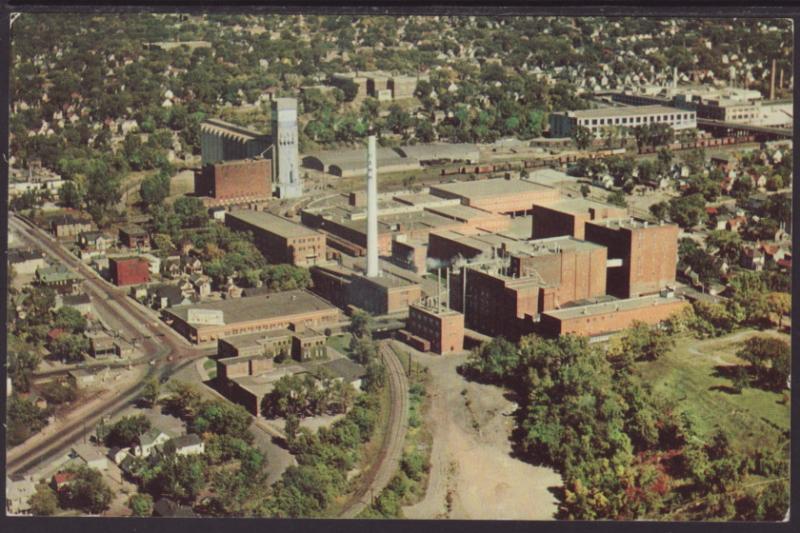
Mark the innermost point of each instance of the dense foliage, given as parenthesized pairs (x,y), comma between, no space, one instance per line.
(622,451)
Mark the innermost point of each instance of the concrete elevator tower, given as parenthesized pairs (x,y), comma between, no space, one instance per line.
(372,208)
(286,165)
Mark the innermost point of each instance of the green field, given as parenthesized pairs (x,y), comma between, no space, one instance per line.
(339,343)
(686,375)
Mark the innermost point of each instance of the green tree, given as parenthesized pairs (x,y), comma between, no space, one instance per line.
(43,502)
(70,319)
(88,491)
(617,198)
(140,504)
(361,324)
(154,189)
(151,392)
(126,431)
(583,137)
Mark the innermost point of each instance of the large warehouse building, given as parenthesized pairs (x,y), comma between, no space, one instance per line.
(597,120)
(223,142)
(499,195)
(210,321)
(279,239)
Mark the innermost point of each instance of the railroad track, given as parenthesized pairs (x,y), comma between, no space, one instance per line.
(166,353)
(383,469)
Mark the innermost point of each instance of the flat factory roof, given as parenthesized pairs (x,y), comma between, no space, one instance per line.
(272,223)
(610,307)
(580,205)
(222,127)
(550,245)
(286,303)
(626,111)
(490,187)
(251,339)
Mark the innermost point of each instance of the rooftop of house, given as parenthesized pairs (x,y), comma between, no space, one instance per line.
(87,452)
(184,441)
(271,223)
(21,255)
(133,230)
(150,436)
(71,300)
(273,305)
(490,187)
(56,273)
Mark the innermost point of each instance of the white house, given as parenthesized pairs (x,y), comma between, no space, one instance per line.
(149,441)
(190,444)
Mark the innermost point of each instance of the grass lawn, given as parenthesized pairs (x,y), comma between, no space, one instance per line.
(686,375)
(340,343)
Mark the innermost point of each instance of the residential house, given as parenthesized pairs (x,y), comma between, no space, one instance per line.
(26,261)
(153,261)
(95,241)
(342,369)
(90,455)
(190,444)
(68,226)
(118,455)
(201,284)
(171,267)
(191,264)
(60,278)
(102,345)
(134,236)
(774,252)
(62,479)
(149,442)
(752,258)
(82,302)
(81,377)
(164,296)
(735,223)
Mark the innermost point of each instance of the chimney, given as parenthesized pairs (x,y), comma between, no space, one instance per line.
(372,208)
(675,78)
(447,294)
(772,82)
(438,290)
(780,80)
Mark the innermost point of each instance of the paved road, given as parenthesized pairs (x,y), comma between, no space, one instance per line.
(166,352)
(383,470)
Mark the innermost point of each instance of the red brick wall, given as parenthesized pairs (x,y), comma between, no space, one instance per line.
(592,325)
(129,271)
(548,222)
(240,179)
(649,256)
(444,332)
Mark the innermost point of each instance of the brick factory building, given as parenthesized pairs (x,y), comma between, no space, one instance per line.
(210,321)
(642,257)
(385,294)
(497,305)
(442,329)
(235,181)
(568,217)
(129,270)
(569,269)
(499,195)
(223,141)
(608,317)
(624,118)
(279,239)
(134,237)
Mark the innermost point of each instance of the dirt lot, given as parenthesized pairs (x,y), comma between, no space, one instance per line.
(471,458)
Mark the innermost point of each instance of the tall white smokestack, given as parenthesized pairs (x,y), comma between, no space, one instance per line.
(372,208)
(675,78)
